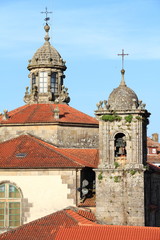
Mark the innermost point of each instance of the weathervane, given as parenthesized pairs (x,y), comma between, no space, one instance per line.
(46,18)
(123,55)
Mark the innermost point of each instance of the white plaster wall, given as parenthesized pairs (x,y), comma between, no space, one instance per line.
(45,193)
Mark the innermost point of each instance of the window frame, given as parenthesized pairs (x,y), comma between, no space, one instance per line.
(5,211)
(33,80)
(43,82)
(54,83)
(154,151)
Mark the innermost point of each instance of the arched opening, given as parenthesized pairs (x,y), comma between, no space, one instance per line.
(10,206)
(120,145)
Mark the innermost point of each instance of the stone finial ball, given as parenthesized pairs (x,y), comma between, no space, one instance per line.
(122,71)
(46,27)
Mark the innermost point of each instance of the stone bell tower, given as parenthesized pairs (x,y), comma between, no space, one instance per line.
(46,75)
(122,145)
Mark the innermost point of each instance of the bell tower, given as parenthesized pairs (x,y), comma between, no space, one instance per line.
(122,145)
(46,74)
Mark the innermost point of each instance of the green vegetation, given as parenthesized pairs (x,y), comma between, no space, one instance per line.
(116,179)
(129,118)
(132,172)
(116,164)
(139,118)
(100,176)
(111,118)
(146,167)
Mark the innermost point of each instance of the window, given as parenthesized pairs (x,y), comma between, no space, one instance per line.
(10,206)
(120,145)
(54,84)
(33,80)
(43,82)
(154,150)
(87,188)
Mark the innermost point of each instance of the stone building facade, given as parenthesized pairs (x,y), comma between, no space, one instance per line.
(61,134)
(48,149)
(122,147)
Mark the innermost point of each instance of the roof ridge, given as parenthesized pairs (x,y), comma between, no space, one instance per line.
(79,218)
(17,110)
(83,162)
(76,110)
(51,147)
(32,222)
(31,113)
(13,138)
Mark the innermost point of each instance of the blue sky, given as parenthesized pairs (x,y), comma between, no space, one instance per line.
(88,34)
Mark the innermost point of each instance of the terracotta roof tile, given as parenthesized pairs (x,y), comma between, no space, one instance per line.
(153,158)
(90,156)
(88,202)
(99,232)
(79,218)
(151,143)
(87,214)
(43,113)
(27,151)
(46,228)
(69,224)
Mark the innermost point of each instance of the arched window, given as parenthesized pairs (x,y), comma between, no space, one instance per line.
(43,85)
(120,145)
(10,206)
(54,84)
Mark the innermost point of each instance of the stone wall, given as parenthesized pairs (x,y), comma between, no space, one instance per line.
(61,136)
(120,177)
(120,196)
(135,134)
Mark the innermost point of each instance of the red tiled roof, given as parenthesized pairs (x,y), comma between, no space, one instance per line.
(27,151)
(105,232)
(46,228)
(87,214)
(151,143)
(69,224)
(90,156)
(88,202)
(153,158)
(44,113)
(80,218)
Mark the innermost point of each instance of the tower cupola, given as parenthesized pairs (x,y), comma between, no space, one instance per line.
(122,97)
(122,155)
(46,75)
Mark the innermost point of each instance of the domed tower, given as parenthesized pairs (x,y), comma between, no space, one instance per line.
(122,149)
(46,75)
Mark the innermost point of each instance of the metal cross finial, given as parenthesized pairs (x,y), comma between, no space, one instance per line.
(46,18)
(123,55)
